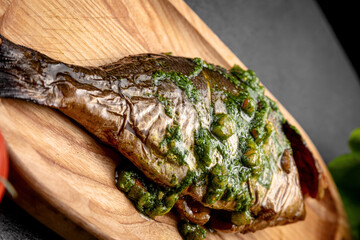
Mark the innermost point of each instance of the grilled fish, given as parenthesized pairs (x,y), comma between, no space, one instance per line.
(199,137)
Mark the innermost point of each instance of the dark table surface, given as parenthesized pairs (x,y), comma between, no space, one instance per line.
(295,53)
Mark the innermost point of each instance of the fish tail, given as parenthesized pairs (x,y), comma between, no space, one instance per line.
(7,65)
(7,83)
(17,74)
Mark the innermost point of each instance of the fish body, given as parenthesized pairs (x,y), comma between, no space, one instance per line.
(192,130)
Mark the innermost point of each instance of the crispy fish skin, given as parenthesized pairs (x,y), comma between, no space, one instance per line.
(123,104)
(111,101)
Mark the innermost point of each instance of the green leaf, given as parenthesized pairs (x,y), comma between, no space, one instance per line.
(346,173)
(346,170)
(352,208)
(354,140)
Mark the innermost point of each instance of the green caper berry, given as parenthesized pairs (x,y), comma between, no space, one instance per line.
(249,106)
(224,126)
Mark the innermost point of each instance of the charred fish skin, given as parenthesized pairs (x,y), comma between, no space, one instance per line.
(194,128)
(118,103)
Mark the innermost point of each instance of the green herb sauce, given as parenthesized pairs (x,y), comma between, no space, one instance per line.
(182,81)
(148,197)
(167,104)
(225,174)
(173,141)
(191,231)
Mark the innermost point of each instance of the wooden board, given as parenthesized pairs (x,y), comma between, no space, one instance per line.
(73,172)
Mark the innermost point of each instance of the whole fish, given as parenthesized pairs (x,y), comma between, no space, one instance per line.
(199,137)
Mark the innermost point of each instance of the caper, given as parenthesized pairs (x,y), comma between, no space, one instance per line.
(224,126)
(248,106)
(251,156)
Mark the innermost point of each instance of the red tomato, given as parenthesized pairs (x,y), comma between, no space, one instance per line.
(4,165)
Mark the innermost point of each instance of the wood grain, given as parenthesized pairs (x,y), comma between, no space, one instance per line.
(73,172)
(44,212)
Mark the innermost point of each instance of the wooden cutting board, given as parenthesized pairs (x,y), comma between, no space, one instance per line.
(60,164)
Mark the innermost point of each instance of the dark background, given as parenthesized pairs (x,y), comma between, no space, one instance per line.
(344,20)
(306,52)
(296,54)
